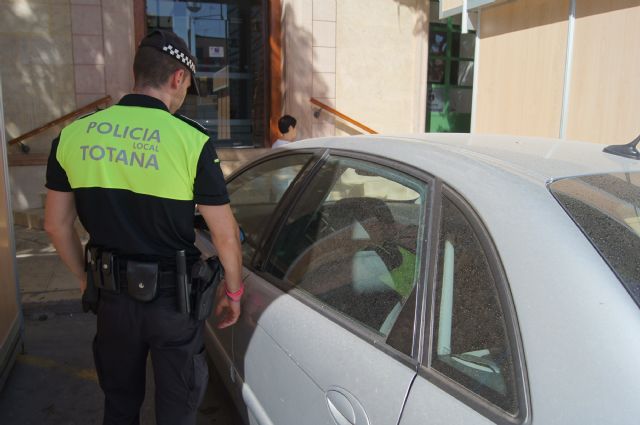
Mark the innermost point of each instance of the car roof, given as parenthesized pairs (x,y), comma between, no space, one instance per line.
(539,160)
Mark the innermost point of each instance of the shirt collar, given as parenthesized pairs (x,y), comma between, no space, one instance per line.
(135,99)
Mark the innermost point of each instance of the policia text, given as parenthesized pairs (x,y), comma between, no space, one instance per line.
(140,138)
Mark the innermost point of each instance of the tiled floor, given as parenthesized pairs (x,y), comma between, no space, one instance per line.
(53,381)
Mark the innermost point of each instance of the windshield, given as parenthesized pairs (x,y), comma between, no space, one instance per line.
(606,207)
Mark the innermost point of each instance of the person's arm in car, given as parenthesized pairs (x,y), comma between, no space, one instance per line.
(225,235)
(59,216)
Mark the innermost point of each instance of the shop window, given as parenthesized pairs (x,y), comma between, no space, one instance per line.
(228,39)
(450,75)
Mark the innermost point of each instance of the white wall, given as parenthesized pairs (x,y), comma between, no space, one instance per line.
(365,58)
(380,63)
(61,55)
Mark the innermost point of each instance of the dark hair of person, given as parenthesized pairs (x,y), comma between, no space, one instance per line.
(285,122)
(152,68)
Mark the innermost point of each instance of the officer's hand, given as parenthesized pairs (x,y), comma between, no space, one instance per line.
(227,311)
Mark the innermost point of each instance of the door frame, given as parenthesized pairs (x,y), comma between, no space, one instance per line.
(273,59)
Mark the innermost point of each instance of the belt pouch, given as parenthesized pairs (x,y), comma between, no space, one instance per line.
(92,261)
(108,270)
(142,280)
(208,277)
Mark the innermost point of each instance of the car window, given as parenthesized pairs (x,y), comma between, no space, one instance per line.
(470,344)
(256,192)
(606,207)
(351,241)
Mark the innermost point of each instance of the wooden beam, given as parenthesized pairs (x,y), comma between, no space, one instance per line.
(275,68)
(22,160)
(139,20)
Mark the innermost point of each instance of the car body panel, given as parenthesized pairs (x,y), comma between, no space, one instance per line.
(539,158)
(579,326)
(307,345)
(426,403)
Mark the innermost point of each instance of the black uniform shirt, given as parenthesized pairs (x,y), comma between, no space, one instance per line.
(122,172)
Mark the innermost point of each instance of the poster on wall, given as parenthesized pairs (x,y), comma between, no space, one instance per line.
(216,51)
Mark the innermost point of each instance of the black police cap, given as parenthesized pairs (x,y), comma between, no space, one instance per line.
(171,44)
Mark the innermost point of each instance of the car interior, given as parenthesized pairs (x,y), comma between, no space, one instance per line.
(352,255)
(471,343)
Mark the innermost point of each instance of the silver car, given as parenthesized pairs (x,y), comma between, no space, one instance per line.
(436,279)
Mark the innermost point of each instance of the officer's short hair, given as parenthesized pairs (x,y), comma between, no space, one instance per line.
(152,68)
(160,54)
(285,122)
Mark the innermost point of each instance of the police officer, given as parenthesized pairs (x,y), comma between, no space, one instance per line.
(133,173)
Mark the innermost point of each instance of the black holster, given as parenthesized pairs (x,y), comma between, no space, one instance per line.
(91,294)
(206,275)
(90,297)
(101,268)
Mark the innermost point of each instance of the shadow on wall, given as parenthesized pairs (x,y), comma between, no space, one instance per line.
(298,74)
(37,70)
(417,6)
(119,42)
(525,14)
(584,9)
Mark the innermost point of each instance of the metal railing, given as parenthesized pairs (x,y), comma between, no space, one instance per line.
(91,106)
(341,116)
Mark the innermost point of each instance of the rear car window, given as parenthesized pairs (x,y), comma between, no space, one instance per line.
(471,343)
(606,207)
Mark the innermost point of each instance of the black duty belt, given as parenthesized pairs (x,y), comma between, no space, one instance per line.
(166,280)
(117,273)
(143,281)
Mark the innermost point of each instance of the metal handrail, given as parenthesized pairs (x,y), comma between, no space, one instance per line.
(342,116)
(42,128)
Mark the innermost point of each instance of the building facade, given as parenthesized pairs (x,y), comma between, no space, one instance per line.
(555,68)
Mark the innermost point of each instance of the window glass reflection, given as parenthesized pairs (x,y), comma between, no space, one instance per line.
(227,39)
(352,242)
(462,73)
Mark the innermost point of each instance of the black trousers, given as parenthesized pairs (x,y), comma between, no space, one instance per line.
(127,332)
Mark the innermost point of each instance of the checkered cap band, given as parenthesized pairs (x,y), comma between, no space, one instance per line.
(176,53)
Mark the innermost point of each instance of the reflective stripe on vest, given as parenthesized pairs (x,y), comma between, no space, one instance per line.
(144,150)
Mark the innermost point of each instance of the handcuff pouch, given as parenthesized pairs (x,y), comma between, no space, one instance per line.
(142,280)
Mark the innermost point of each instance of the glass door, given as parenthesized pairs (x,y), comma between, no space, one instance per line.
(228,39)
(450,75)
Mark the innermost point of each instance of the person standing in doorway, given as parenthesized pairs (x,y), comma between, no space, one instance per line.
(133,174)
(287,128)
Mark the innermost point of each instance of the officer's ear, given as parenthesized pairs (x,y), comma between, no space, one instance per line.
(177,78)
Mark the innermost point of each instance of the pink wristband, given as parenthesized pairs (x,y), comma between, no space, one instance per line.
(234,296)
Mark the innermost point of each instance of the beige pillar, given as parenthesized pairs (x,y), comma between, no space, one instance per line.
(10,316)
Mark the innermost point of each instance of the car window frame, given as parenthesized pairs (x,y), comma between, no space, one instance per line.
(314,159)
(341,319)
(425,368)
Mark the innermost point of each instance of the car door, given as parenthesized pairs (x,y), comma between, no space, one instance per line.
(327,331)
(255,194)
(472,370)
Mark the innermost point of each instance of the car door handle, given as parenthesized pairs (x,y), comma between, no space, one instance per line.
(345,408)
